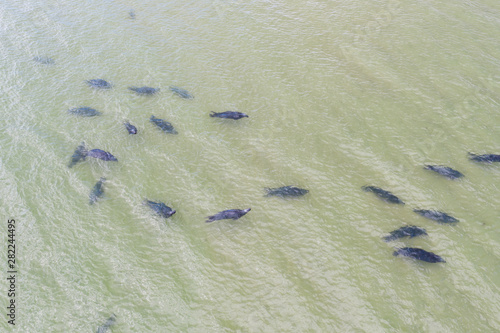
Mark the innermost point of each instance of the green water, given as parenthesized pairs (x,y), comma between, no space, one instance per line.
(339,94)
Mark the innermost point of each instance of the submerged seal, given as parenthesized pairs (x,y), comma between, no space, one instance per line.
(44,60)
(406,231)
(418,254)
(144,90)
(444,171)
(99,84)
(228,115)
(486,158)
(165,126)
(228,214)
(102,155)
(130,128)
(181,92)
(160,208)
(79,155)
(383,194)
(286,191)
(436,215)
(84,111)
(97,191)
(104,327)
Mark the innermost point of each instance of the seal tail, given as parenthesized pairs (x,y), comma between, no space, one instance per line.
(388,238)
(210,219)
(366,188)
(213,114)
(471,154)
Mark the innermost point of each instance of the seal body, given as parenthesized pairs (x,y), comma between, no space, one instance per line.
(99,84)
(165,126)
(486,158)
(144,90)
(160,208)
(97,191)
(181,92)
(436,215)
(44,60)
(286,191)
(130,128)
(406,231)
(229,115)
(383,194)
(444,171)
(79,155)
(102,155)
(84,111)
(418,254)
(228,214)
(104,327)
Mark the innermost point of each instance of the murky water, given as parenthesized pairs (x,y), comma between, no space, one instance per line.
(339,94)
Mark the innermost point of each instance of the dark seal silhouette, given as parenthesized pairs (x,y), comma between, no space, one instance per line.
(181,92)
(160,208)
(79,155)
(419,254)
(145,90)
(383,194)
(228,214)
(406,231)
(286,191)
(165,126)
(102,155)
(84,111)
(486,158)
(436,215)
(131,14)
(97,191)
(228,115)
(99,84)
(130,128)
(444,171)
(44,60)
(110,322)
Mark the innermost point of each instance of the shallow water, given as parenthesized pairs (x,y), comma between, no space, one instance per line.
(339,95)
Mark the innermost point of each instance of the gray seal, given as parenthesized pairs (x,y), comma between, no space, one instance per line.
(486,158)
(383,194)
(228,115)
(233,214)
(99,84)
(436,215)
(164,125)
(418,254)
(97,191)
(444,171)
(406,231)
(130,128)
(160,208)
(84,111)
(286,191)
(102,155)
(181,92)
(144,90)
(110,322)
